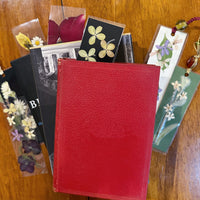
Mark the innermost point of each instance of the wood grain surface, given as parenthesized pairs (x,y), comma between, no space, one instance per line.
(174,176)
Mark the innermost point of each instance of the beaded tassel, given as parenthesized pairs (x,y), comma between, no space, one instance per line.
(182,24)
(192,62)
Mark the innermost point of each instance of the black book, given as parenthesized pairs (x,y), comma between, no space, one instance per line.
(22,70)
(44,63)
(125,52)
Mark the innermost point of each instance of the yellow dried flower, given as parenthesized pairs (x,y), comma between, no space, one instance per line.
(24,41)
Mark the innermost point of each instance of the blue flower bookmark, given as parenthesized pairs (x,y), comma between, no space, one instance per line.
(165,52)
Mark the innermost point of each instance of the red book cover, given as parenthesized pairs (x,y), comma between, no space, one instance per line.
(104,128)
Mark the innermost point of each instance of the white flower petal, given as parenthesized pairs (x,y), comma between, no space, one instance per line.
(1,71)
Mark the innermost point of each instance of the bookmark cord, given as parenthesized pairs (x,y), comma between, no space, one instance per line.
(182,24)
(192,62)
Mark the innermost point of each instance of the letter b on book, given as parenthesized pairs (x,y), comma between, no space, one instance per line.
(34,103)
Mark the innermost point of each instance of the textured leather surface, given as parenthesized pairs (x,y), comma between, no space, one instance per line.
(104,128)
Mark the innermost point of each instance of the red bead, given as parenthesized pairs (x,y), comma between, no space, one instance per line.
(190,61)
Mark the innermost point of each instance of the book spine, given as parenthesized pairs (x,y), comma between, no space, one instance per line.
(57,130)
(128,49)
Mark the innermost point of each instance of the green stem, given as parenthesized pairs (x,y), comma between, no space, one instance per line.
(111,41)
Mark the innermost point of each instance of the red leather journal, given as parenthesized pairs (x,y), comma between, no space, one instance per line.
(104,128)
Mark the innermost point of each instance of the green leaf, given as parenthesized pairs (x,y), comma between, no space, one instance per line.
(164,40)
(165,132)
(17,120)
(170,51)
(163,67)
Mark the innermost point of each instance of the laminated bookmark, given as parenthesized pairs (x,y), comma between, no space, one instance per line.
(165,52)
(27,35)
(173,106)
(23,128)
(23,77)
(66,24)
(100,40)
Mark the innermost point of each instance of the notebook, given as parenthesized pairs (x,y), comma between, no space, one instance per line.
(104,128)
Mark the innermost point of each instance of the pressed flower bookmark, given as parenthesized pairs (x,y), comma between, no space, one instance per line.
(165,52)
(100,41)
(173,106)
(28,35)
(66,24)
(23,128)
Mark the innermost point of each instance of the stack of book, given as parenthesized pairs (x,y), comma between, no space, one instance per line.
(95,110)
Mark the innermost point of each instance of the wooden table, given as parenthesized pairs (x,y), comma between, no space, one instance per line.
(175,176)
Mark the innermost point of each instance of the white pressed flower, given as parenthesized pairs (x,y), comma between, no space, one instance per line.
(183,95)
(1,71)
(29,122)
(164,63)
(176,42)
(11,120)
(159,56)
(33,124)
(25,122)
(185,82)
(10,110)
(176,85)
(37,41)
(20,107)
(30,134)
(26,129)
(5,89)
(168,108)
(170,116)
(153,53)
